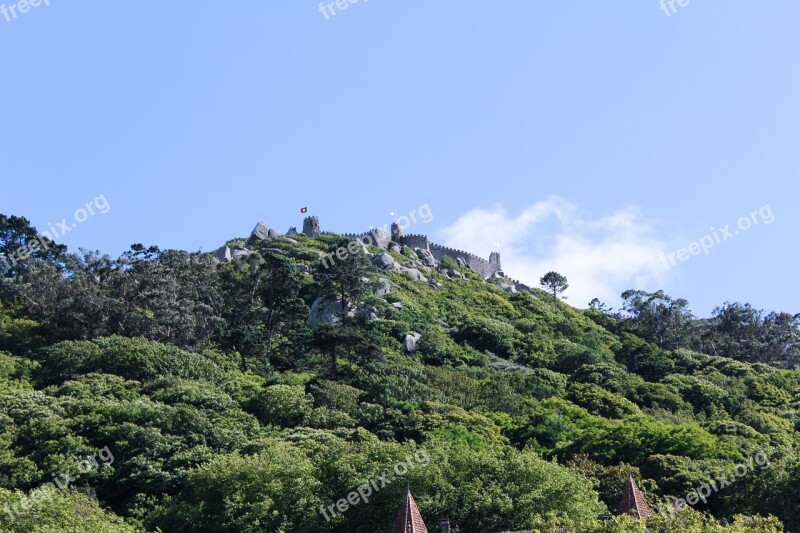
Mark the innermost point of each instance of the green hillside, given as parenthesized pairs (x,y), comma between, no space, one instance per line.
(206,402)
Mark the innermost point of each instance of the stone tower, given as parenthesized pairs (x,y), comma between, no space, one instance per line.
(311,226)
(397,232)
(494,260)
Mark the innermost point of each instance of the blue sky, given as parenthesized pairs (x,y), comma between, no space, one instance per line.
(587,137)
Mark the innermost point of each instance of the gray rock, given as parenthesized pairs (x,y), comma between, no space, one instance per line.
(382,287)
(394,247)
(426,256)
(260,232)
(371,313)
(238,254)
(277,251)
(435,284)
(397,305)
(327,312)
(272,234)
(375,353)
(461,262)
(413,273)
(292,231)
(456,274)
(410,344)
(223,254)
(505,286)
(385,261)
(408,264)
(291,240)
(303,268)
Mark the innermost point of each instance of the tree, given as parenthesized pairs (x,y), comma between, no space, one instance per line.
(262,304)
(742,332)
(20,243)
(658,318)
(344,279)
(600,306)
(555,283)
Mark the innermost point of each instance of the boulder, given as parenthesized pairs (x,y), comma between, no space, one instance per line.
(413,273)
(277,251)
(456,274)
(223,254)
(385,262)
(461,262)
(435,284)
(397,305)
(292,231)
(426,256)
(260,232)
(303,268)
(238,254)
(410,344)
(327,312)
(373,352)
(505,286)
(382,287)
(442,323)
(371,313)
(272,234)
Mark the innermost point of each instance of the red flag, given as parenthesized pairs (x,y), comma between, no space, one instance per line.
(304,210)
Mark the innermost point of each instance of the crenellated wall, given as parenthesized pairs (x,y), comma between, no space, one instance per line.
(382,239)
(478,264)
(374,237)
(415,241)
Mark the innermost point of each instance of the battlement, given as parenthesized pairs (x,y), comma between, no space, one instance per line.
(415,241)
(478,264)
(311,226)
(382,239)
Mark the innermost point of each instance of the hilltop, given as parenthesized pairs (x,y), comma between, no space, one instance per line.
(252,388)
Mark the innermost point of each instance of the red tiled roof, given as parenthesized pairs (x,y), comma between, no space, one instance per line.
(633,502)
(409,520)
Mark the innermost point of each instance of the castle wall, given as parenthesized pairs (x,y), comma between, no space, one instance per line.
(382,239)
(415,241)
(374,237)
(478,264)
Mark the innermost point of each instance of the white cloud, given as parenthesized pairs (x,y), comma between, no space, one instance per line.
(601,257)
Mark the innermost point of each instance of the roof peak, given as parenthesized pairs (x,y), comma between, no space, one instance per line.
(633,502)
(409,519)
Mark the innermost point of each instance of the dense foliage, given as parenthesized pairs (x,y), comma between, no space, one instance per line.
(225,411)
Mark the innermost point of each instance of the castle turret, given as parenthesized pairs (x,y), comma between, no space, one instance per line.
(311,226)
(494,260)
(397,232)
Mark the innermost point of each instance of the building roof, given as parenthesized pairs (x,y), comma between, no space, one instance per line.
(409,520)
(633,502)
